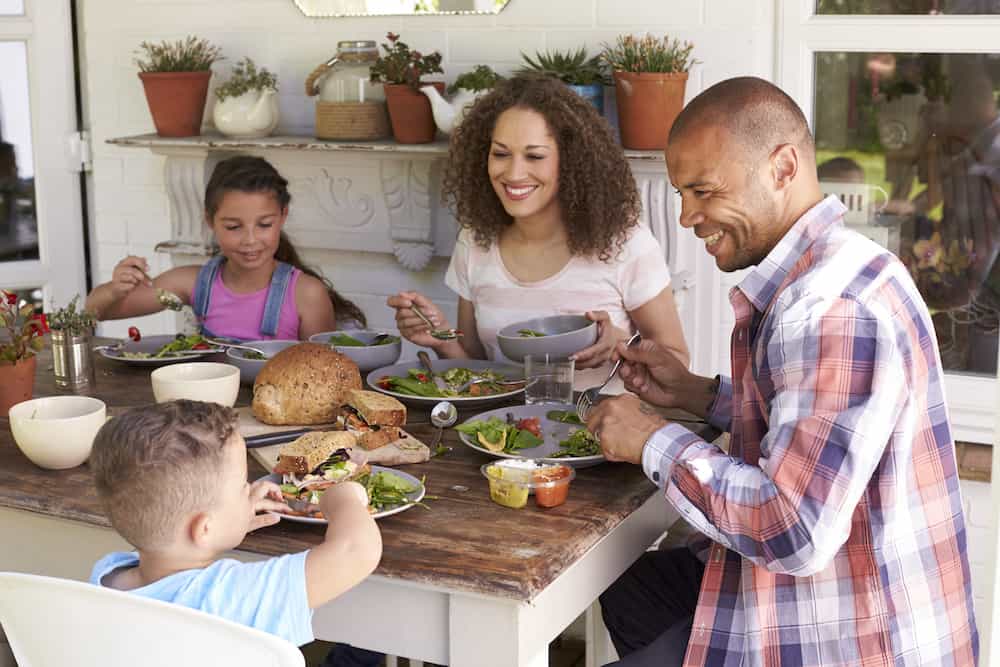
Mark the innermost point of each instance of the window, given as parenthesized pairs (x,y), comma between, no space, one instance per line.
(908,7)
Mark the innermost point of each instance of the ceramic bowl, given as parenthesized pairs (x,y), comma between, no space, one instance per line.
(199,381)
(57,432)
(564,335)
(250,367)
(368,357)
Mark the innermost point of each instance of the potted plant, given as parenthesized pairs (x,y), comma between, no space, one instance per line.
(399,70)
(175,77)
(650,77)
(466,89)
(72,353)
(247,103)
(584,75)
(20,338)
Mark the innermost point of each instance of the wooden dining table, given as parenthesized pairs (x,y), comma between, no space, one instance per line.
(463,581)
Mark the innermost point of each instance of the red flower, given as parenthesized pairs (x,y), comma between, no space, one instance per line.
(43,324)
(392,37)
(11,298)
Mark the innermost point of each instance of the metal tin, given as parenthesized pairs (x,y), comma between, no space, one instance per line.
(73,360)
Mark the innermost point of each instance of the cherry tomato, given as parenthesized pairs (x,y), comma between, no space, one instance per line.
(385,383)
(422,377)
(531,425)
(133,333)
(201,346)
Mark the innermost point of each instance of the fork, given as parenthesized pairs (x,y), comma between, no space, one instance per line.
(587,397)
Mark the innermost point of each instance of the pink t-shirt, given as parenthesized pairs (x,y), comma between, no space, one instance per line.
(626,282)
(239,315)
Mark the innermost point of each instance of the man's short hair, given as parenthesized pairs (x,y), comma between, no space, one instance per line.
(756,113)
(155,465)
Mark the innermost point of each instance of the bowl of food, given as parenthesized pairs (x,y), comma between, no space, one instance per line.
(368,349)
(558,336)
(200,381)
(250,362)
(57,432)
(513,480)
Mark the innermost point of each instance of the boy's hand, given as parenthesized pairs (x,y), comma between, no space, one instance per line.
(265,497)
(338,494)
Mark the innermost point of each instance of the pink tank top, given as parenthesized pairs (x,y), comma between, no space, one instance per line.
(239,315)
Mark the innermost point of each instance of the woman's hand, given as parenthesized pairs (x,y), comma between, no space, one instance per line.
(129,274)
(265,497)
(608,337)
(410,326)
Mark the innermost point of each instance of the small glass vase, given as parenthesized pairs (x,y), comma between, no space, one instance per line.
(73,360)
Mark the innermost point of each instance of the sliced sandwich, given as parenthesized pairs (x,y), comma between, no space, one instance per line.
(375,418)
(309,452)
(315,462)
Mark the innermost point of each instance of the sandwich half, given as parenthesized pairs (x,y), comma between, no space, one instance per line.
(310,451)
(375,418)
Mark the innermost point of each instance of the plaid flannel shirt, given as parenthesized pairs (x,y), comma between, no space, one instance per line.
(836,521)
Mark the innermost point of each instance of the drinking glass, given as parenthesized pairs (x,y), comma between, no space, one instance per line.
(548,379)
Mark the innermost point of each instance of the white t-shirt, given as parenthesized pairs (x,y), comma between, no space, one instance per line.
(626,282)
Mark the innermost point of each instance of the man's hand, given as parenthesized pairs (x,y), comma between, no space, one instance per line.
(265,497)
(658,377)
(623,425)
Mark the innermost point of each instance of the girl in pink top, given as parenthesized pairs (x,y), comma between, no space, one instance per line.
(256,288)
(550,225)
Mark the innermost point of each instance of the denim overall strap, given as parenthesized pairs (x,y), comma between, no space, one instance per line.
(275,298)
(203,290)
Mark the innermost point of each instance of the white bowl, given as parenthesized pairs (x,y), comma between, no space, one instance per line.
(197,381)
(57,432)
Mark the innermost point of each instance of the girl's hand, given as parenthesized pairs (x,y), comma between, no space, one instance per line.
(129,274)
(410,326)
(265,497)
(608,336)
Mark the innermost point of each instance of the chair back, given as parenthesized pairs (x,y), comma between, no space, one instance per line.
(51,621)
(863,201)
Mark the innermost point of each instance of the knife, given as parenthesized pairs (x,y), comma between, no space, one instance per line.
(278,437)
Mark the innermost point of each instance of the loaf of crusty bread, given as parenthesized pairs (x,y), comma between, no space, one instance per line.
(303,455)
(304,384)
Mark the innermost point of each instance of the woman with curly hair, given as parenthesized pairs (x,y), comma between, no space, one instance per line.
(549,212)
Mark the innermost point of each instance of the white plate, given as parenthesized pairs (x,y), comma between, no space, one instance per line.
(150,344)
(552,432)
(440,365)
(415,496)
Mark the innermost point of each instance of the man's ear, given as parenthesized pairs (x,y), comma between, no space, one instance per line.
(199,529)
(784,165)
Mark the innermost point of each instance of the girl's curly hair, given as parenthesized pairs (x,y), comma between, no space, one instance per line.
(597,193)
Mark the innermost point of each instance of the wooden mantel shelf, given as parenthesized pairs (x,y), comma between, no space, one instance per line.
(306,143)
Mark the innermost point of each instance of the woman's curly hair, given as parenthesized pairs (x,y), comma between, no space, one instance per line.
(597,193)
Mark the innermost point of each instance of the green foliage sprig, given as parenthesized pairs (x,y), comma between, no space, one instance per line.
(187,55)
(246,77)
(72,321)
(481,78)
(401,65)
(648,54)
(571,67)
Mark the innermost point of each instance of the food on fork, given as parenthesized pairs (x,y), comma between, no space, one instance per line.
(375,417)
(304,384)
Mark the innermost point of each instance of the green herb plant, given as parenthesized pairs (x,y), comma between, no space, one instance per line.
(187,55)
(247,77)
(481,78)
(401,65)
(648,54)
(72,320)
(571,67)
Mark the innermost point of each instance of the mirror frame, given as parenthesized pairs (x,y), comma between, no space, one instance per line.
(309,8)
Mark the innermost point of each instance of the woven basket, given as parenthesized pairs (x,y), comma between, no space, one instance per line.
(355,121)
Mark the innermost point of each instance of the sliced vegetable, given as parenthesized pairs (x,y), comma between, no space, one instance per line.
(530,333)
(133,333)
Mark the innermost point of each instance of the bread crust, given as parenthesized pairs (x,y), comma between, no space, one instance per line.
(304,384)
(304,454)
(377,408)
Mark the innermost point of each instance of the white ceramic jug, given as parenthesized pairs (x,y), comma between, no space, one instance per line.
(252,114)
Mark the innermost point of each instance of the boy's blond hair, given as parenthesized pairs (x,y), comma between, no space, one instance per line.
(155,465)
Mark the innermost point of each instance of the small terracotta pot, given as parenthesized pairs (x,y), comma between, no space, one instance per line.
(648,103)
(17,382)
(410,112)
(176,101)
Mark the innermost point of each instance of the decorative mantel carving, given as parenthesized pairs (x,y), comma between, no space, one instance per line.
(372,196)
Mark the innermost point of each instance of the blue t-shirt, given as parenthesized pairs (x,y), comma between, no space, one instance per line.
(269,595)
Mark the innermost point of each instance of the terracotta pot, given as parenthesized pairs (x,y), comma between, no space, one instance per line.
(17,382)
(648,103)
(176,101)
(410,112)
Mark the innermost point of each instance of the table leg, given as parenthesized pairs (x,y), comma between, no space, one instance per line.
(491,633)
(600,650)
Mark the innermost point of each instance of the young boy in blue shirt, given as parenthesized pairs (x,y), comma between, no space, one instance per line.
(173,478)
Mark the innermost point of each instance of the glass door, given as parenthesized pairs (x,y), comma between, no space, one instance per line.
(41,221)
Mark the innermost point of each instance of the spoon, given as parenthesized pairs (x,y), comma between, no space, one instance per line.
(440,334)
(220,343)
(443,415)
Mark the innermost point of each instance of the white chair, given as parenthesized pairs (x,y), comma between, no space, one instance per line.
(52,621)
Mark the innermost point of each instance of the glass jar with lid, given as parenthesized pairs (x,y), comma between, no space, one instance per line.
(350,107)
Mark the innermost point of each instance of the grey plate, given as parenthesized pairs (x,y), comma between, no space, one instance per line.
(552,432)
(510,373)
(151,344)
(415,497)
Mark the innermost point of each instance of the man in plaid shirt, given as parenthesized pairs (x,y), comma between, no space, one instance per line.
(835,521)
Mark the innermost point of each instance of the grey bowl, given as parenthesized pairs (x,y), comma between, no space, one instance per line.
(250,367)
(564,335)
(369,357)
